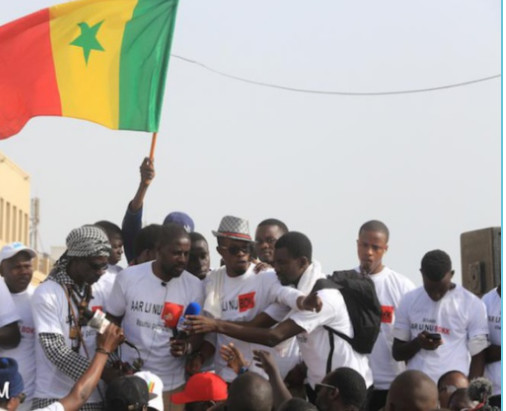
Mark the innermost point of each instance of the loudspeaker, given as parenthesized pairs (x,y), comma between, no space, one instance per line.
(481,259)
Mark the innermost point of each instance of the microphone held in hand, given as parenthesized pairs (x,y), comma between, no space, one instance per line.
(182,331)
(98,321)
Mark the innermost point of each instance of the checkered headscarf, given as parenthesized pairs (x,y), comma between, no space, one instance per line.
(88,241)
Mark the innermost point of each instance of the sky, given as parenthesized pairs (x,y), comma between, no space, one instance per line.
(427,164)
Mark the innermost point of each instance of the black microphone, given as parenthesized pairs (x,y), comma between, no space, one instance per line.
(181,331)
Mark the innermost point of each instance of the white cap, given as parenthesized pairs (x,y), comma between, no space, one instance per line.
(155,388)
(10,250)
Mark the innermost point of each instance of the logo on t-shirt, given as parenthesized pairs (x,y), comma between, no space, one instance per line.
(96,307)
(4,394)
(171,313)
(246,301)
(387,314)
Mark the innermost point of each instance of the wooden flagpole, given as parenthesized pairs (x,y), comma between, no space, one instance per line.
(153,145)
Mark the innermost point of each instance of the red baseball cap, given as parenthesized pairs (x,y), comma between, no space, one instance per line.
(204,386)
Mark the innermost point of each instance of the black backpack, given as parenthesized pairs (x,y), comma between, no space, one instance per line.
(363,307)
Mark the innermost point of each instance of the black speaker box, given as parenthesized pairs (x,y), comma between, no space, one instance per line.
(481,259)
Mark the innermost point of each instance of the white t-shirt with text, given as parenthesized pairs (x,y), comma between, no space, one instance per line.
(458,317)
(492,301)
(241,299)
(150,313)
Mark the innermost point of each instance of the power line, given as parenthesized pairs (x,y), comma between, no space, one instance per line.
(338,93)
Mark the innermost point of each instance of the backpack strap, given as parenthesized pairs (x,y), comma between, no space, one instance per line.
(333,332)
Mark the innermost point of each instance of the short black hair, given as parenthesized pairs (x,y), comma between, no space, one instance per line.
(297,404)
(194,237)
(250,392)
(146,239)
(351,384)
(297,244)
(375,225)
(435,264)
(110,229)
(276,222)
(171,232)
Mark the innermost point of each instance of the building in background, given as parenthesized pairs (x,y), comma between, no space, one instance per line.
(15,205)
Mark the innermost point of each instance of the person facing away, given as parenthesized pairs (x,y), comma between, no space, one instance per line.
(250,392)
(17,270)
(440,325)
(412,390)
(372,244)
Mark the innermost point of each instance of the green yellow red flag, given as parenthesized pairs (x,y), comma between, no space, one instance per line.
(99,60)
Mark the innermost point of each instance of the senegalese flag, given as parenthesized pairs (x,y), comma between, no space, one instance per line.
(99,60)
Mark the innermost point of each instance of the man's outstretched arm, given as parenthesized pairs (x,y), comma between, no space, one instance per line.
(269,336)
(84,386)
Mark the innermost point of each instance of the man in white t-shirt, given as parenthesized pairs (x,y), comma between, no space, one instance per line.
(65,343)
(441,326)
(9,317)
(149,300)
(493,369)
(372,244)
(292,258)
(17,270)
(235,292)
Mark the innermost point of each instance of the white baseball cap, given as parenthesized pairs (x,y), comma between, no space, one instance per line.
(155,388)
(10,250)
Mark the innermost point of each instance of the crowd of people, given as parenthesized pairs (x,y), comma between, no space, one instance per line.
(170,333)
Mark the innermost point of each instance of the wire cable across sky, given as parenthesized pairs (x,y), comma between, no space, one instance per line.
(337,93)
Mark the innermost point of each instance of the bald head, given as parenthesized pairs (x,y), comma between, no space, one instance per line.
(412,391)
(250,392)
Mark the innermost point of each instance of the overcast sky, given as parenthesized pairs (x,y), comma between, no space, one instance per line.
(427,164)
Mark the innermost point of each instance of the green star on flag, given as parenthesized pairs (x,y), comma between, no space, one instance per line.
(88,39)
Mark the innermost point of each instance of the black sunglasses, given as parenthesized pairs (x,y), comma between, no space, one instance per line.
(97,266)
(235,249)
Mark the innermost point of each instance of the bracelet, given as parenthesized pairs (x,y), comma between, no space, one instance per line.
(102,351)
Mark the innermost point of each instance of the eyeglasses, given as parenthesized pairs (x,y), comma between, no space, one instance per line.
(235,249)
(320,385)
(97,266)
